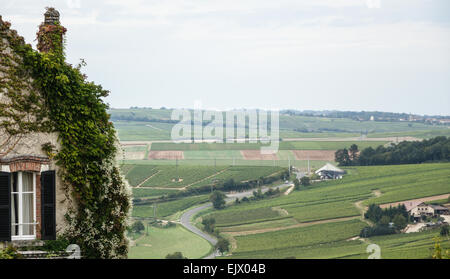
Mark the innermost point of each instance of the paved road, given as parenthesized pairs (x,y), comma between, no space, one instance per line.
(186,217)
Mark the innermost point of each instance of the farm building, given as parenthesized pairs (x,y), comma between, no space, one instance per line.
(42,196)
(330,172)
(423,209)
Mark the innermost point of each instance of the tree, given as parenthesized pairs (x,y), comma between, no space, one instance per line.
(218,199)
(445,230)
(354,153)
(176,255)
(399,221)
(296,184)
(373,213)
(209,224)
(385,220)
(258,194)
(223,245)
(438,253)
(305,181)
(138,226)
(341,156)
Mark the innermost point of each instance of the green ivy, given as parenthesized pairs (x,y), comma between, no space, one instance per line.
(86,157)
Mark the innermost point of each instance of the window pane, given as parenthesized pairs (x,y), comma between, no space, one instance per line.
(28,229)
(14,183)
(27,182)
(15,214)
(27,213)
(14,230)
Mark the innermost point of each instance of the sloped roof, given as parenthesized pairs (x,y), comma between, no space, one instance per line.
(330,167)
(410,205)
(438,207)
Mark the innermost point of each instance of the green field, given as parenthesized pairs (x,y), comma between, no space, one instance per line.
(244,216)
(269,244)
(151,127)
(397,246)
(175,177)
(148,192)
(167,176)
(138,173)
(161,242)
(336,199)
(165,209)
(284,145)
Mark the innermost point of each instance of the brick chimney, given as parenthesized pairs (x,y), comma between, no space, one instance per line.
(51,33)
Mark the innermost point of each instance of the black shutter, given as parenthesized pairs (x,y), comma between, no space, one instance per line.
(48,205)
(5,206)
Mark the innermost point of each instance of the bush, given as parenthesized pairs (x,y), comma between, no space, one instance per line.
(176,255)
(223,245)
(305,181)
(209,224)
(399,221)
(296,184)
(138,226)
(218,199)
(9,253)
(445,230)
(57,245)
(377,230)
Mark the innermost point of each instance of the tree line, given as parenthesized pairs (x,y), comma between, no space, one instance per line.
(407,152)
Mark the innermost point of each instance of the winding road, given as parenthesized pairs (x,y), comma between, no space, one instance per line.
(185,219)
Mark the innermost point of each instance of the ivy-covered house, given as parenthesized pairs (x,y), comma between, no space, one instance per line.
(58,175)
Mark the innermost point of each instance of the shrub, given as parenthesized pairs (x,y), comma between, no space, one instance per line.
(377,230)
(176,255)
(209,224)
(445,230)
(9,253)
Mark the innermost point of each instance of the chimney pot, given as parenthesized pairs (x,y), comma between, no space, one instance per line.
(51,16)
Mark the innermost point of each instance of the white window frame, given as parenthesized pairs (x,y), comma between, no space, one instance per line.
(20,193)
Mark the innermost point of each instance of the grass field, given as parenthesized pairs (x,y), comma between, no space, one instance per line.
(165,209)
(138,173)
(397,246)
(161,242)
(284,145)
(148,192)
(336,199)
(175,177)
(151,127)
(270,244)
(244,216)
(167,176)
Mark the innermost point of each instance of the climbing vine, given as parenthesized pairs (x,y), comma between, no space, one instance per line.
(72,107)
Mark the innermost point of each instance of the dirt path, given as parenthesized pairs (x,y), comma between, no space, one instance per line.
(140,184)
(288,191)
(362,209)
(426,199)
(414,227)
(217,173)
(283,212)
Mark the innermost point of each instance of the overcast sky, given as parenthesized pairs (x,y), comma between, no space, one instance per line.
(388,55)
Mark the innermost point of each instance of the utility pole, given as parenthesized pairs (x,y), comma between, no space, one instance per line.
(308,166)
(176,169)
(289,165)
